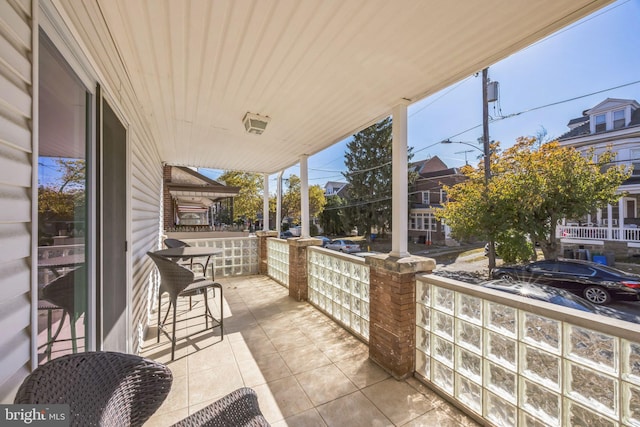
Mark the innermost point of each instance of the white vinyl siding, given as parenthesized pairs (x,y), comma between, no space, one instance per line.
(16,146)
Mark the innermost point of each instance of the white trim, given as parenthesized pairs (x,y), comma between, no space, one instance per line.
(35,119)
(582,241)
(53,25)
(633,245)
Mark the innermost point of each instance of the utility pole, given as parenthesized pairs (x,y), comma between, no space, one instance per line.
(487,156)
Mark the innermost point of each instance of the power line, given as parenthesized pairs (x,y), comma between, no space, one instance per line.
(552,104)
(440,97)
(583,21)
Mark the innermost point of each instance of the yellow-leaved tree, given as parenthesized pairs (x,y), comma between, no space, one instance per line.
(532,187)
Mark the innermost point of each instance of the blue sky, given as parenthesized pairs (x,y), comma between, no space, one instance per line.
(596,54)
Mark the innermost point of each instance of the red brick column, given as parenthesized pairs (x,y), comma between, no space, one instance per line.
(392,311)
(298,283)
(263,263)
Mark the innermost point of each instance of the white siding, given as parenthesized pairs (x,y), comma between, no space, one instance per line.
(15,194)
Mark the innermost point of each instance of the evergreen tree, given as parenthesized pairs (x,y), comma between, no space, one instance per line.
(369,175)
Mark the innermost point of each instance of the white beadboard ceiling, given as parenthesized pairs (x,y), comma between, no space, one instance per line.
(320,69)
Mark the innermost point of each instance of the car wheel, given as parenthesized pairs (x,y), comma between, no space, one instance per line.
(597,295)
(505,276)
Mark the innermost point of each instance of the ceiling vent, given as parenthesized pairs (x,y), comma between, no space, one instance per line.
(253,123)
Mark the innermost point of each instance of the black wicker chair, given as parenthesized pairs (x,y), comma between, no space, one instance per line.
(101,388)
(238,409)
(175,243)
(179,281)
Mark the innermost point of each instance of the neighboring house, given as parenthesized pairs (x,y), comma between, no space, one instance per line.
(191,199)
(333,188)
(426,195)
(613,124)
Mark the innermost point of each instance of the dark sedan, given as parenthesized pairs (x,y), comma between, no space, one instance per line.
(557,296)
(597,283)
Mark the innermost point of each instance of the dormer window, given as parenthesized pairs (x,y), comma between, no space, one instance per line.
(601,123)
(618,119)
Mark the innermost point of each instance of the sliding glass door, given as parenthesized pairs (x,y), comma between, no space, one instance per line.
(63,128)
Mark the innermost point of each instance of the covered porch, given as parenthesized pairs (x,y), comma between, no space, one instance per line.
(173,83)
(306,369)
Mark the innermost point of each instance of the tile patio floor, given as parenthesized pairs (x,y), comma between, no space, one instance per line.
(306,369)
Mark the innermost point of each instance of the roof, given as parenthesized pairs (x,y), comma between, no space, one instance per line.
(585,129)
(431,164)
(319,70)
(191,187)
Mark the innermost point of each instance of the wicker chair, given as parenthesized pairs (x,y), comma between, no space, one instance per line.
(179,281)
(101,388)
(175,243)
(238,409)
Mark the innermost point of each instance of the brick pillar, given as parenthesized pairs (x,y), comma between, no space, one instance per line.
(298,283)
(263,265)
(392,311)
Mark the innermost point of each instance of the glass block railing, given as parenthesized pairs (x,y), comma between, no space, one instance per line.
(278,260)
(339,286)
(239,255)
(518,363)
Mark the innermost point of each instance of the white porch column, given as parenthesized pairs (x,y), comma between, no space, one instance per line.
(265,204)
(599,216)
(609,222)
(621,218)
(304,196)
(399,167)
(279,204)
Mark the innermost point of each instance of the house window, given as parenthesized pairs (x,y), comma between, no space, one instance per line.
(601,123)
(443,196)
(425,198)
(422,222)
(635,161)
(618,119)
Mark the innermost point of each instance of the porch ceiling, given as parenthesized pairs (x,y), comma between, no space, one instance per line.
(320,69)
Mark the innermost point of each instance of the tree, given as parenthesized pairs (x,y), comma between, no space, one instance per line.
(369,174)
(248,202)
(317,201)
(530,190)
(63,198)
(332,216)
(291,198)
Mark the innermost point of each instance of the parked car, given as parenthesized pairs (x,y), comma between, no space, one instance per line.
(285,234)
(325,240)
(597,283)
(557,296)
(296,231)
(346,246)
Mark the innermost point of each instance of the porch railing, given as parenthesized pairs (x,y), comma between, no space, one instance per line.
(598,233)
(525,363)
(339,287)
(239,255)
(278,260)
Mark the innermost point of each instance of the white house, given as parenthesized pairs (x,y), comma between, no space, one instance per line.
(612,124)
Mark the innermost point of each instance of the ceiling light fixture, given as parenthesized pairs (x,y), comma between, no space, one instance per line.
(254,123)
